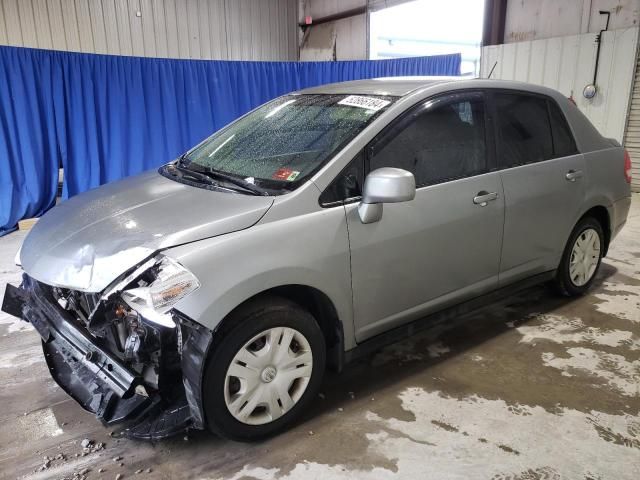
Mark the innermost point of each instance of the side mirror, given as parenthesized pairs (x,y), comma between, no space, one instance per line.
(385,185)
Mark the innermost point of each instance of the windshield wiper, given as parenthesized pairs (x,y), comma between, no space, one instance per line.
(185,165)
(239,182)
(187,172)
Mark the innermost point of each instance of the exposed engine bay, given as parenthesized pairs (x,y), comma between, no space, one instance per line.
(142,366)
(150,350)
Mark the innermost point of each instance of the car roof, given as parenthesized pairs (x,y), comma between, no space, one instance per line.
(396,86)
(401,86)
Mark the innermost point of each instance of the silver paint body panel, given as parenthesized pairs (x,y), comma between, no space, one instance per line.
(542,208)
(423,255)
(426,254)
(88,241)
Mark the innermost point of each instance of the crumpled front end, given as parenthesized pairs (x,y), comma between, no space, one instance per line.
(114,361)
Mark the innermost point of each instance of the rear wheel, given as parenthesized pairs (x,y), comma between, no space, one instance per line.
(265,371)
(581,258)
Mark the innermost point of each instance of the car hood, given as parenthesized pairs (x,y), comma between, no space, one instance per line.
(88,241)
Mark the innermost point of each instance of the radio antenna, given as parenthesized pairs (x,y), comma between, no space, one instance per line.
(492,69)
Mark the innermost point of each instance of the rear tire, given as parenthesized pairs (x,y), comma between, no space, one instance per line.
(581,258)
(264,372)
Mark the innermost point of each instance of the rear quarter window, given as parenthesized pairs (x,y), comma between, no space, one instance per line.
(563,142)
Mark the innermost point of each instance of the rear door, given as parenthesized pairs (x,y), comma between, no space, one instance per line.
(542,176)
(444,246)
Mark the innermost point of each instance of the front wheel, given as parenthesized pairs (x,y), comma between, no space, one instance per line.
(581,258)
(264,372)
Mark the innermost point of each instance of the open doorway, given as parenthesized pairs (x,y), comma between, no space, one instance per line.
(427,27)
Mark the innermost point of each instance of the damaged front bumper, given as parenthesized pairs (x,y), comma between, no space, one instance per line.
(105,381)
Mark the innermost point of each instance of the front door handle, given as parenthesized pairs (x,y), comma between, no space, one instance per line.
(573,175)
(483,197)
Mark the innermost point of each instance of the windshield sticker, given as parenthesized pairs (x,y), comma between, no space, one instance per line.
(285,174)
(369,103)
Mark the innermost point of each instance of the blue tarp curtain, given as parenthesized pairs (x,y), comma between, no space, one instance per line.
(106,117)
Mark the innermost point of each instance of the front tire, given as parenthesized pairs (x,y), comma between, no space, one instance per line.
(581,258)
(264,372)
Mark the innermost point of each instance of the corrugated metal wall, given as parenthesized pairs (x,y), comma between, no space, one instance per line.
(204,29)
(566,64)
(344,39)
(632,133)
(538,19)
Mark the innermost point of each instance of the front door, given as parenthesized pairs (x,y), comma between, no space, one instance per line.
(444,246)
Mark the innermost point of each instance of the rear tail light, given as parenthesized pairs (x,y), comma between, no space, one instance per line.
(627,167)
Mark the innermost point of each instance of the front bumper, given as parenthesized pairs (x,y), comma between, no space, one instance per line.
(98,380)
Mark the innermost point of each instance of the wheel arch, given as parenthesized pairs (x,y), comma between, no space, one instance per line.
(311,299)
(601,214)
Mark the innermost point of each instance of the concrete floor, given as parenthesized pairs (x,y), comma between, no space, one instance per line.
(534,387)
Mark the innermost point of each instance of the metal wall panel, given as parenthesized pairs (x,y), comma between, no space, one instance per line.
(193,29)
(70,25)
(205,32)
(632,132)
(347,37)
(135,23)
(98,27)
(319,44)
(171,33)
(111,27)
(351,38)
(153,25)
(84,26)
(218,30)
(3,29)
(12,22)
(42,26)
(58,38)
(27,25)
(537,19)
(199,29)
(566,64)
(324,8)
(123,28)
(148,25)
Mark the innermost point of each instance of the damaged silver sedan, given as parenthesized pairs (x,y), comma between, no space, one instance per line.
(213,292)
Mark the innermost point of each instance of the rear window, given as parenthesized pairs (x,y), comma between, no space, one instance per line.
(563,142)
(524,129)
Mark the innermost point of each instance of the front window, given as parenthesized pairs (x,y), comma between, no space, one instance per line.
(281,144)
(440,140)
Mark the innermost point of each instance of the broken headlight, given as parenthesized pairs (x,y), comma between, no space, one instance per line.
(170,283)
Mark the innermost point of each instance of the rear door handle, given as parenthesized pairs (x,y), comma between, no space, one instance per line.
(482,198)
(573,175)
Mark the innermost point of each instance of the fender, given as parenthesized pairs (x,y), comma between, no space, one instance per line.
(310,250)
